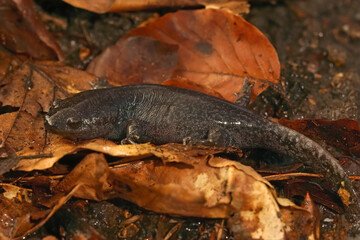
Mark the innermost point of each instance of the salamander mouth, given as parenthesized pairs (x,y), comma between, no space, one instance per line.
(51,127)
(49,124)
(55,114)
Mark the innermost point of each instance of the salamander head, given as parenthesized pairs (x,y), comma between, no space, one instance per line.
(78,119)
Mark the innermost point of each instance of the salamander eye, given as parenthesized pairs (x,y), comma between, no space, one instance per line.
(73,123)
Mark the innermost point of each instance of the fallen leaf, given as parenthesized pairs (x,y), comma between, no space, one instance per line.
(12,191)
(91,176)
(352,167)
(312,208)
(59,147)
(299,221)
(98,6)
(301,187)
(27,91)
(19,218)
(136,60)
(23,32)
(102,6)
(31,15)
(15,217)
(8,157)
(236,7)
(184,182)
(218,52)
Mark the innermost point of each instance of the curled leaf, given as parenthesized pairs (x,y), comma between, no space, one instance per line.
(187,182)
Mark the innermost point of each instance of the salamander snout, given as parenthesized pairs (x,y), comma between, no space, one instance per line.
(67,121)
(76,121)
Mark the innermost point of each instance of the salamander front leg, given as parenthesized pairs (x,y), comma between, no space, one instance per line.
(243,98)
(216,136)
(132,133)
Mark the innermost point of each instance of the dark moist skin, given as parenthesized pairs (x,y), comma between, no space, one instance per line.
(163,114)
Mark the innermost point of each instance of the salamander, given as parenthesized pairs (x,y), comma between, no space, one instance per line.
(164,114)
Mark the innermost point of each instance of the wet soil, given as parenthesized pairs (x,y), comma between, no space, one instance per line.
(318,43)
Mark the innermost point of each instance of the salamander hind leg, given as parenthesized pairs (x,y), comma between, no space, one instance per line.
(132,133)
(215,137)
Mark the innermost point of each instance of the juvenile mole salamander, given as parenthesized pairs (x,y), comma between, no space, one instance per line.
(163,114)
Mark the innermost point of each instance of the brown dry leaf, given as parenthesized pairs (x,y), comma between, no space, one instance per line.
(15,217)
(90,175)
(300,187)
(98,6)
(136,60)
(102,6)
(311,207)
(299,222)
(27,90)
(22,31)
(59,147)
(237,7)
(185,182)
(216,50)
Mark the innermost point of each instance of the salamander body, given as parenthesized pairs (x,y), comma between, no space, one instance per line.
(162,114)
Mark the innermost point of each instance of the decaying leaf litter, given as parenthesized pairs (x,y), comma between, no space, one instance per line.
(47,72)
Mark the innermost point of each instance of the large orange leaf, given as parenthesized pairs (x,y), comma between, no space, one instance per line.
(136,60)
(216,49)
